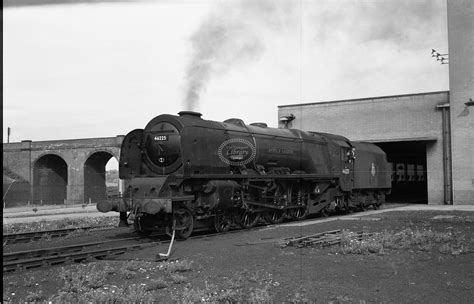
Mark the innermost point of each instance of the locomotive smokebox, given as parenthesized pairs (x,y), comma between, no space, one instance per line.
(190,114)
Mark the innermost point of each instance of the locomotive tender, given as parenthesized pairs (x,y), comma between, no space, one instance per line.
(186,173)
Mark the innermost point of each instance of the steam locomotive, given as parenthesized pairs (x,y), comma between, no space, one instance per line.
(186,173)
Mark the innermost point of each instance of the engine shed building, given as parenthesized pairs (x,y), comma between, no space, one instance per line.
(407,127)
(428,137)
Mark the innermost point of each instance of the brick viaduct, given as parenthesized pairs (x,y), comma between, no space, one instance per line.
(58,171)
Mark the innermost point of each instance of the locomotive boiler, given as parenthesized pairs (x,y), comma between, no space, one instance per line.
(186,173)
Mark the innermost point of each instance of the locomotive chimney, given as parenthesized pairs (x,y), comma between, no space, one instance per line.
(190,114)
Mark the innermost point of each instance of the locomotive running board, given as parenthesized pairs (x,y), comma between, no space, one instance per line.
(263,177)
(182,198)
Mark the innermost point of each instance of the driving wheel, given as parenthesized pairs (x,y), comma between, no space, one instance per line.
(222,222)
(298,197)
(247,218)
(277,216)
(274,216)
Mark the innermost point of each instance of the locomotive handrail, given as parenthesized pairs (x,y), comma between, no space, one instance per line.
(290,138)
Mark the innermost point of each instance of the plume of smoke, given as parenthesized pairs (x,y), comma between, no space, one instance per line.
(232,34)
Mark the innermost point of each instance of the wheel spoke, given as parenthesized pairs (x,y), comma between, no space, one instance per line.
(222,222)
(248,219)
(280,199)
(275,216)
(298,196)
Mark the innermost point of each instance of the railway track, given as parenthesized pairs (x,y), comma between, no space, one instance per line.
(13,238)
(45,257)
(326,238)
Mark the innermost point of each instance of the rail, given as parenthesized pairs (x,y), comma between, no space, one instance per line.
(23,260)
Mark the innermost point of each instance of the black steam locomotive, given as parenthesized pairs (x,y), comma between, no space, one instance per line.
(186,173)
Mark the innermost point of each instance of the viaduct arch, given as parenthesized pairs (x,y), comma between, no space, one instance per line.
(57,171)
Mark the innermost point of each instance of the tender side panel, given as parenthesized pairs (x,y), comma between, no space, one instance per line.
(371,170)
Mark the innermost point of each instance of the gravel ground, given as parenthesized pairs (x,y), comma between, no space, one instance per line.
(253,265)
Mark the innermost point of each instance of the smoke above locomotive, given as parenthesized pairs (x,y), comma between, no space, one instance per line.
(240,32)
(185,173)
(231,35)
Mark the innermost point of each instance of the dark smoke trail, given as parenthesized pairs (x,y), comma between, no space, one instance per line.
(231,35)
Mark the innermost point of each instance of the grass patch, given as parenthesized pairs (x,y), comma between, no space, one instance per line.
(156,284)
(83,277)
(178,279)
(177,266)
(34,296)
(146,282)
(133,293)
(448,242)
(88,283)
(236,290)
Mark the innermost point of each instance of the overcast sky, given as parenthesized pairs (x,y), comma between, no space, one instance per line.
(99,70)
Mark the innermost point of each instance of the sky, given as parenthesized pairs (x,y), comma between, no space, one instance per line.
(102,69)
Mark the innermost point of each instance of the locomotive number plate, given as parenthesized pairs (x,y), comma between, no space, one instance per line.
(161,138)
